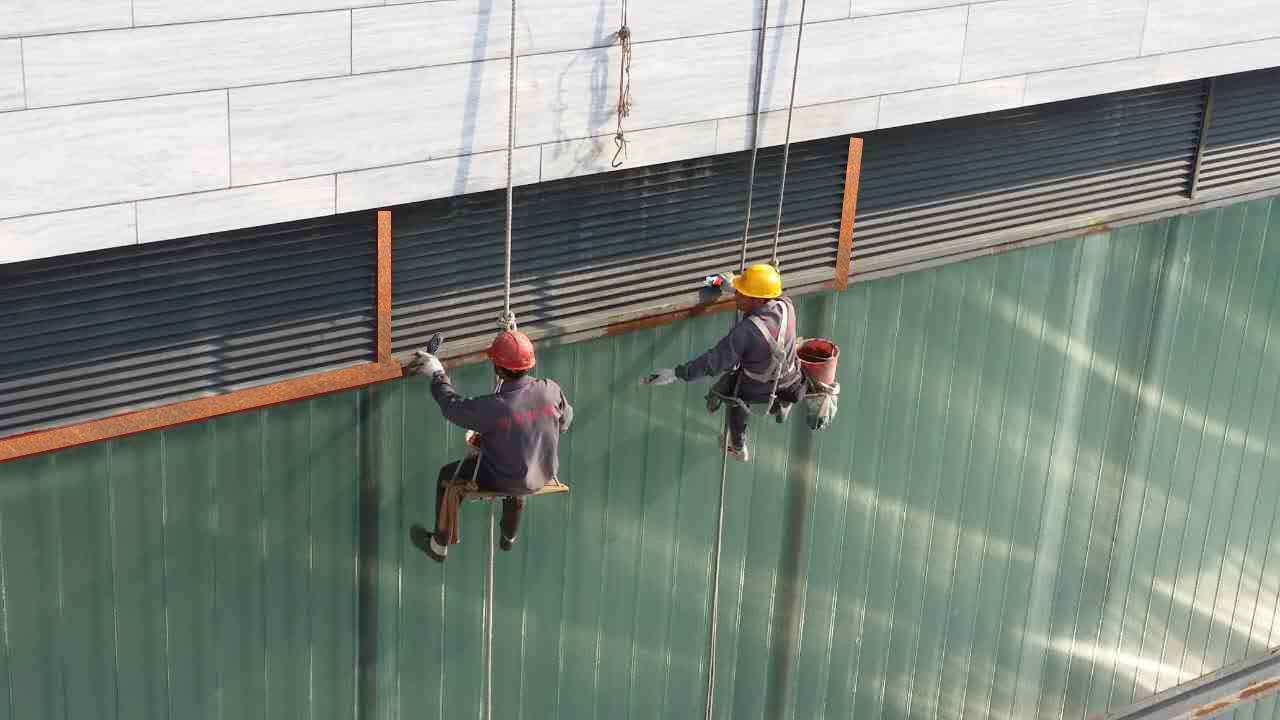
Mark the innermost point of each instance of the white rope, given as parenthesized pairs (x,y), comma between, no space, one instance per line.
(786,147)
(488,620)
(487,617)
(755,136)
(508,319)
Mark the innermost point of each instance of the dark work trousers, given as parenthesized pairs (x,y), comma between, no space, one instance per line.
(754,393)
(512,506)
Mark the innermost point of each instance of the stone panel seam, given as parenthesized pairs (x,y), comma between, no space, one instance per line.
(1142,36)
(469,62)
(964,43)
(231,182)
(22,69)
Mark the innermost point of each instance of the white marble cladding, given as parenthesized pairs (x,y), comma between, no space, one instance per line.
(126,121)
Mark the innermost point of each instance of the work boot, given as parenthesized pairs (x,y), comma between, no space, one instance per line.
(505,543)
(742,453)
(425,541)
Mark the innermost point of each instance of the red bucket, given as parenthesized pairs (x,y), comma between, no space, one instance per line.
(818,360)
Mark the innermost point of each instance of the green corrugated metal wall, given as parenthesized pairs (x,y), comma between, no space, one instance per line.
(1049,491)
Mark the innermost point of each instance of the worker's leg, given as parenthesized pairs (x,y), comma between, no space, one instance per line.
(738,417)
(463,470)
(511,509)
(726,386)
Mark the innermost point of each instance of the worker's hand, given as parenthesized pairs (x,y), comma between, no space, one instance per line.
(664,376)
(424,363)
(473,438)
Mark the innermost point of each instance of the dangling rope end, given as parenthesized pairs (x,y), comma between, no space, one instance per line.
(507,321)
(620,155)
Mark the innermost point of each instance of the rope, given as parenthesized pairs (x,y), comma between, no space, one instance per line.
(508,319)
(724,460)
(488,620)
(755,134)
(786,147)
(624,89)
(487,617)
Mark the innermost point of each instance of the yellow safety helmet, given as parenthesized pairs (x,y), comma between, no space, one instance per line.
(760,281)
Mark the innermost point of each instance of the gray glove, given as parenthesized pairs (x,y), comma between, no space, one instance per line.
(663,376)
(424,363)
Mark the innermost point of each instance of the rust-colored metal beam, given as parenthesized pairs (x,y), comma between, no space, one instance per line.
(181,413)
(384,286)
(383,368)
(852,175)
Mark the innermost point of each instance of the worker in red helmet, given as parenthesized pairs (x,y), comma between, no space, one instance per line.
(516,430)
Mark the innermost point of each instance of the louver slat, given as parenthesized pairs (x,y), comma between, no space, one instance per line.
(948,187)
(102,333)
(1243,147)
(591,251)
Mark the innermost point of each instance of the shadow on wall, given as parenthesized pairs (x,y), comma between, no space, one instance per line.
(601,109)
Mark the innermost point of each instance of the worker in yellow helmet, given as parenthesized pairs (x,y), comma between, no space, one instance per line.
(756,357)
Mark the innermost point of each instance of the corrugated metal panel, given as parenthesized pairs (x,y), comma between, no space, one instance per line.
(588,249)
(946,187)
(204,572)
(1047,493)
(99,333)
(1243,147)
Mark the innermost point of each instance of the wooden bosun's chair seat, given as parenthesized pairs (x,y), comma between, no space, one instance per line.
(554,487)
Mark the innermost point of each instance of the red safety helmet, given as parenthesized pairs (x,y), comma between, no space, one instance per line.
(512,350)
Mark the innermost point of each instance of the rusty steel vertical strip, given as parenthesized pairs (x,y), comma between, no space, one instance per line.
(1206,123)
(852,175)
(384,286)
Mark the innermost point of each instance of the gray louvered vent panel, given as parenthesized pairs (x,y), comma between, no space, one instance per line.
(1243,147)
(933,190)
(589,250)
(101,333)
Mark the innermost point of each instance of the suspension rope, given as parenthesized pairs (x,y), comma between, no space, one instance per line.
(624,89)
(486,655)
(508,322)
(755,133)
(786,147)
(742,265)
(488,617)
(508,319)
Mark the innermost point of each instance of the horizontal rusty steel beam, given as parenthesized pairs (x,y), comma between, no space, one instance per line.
(1211,695)
(43,441)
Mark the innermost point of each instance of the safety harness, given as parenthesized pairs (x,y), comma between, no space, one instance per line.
(782,357)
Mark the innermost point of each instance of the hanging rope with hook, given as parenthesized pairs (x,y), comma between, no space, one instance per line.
(624,89)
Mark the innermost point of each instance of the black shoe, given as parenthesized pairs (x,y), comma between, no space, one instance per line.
(425,541)
(505,543)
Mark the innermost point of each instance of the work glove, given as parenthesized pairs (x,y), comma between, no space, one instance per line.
(664,376)
(424,363)
(720,283)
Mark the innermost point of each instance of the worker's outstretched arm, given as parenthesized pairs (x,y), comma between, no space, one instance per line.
(723,357)
(470,413)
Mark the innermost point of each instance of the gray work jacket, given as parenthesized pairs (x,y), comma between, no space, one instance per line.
(519,428)
(746,346)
